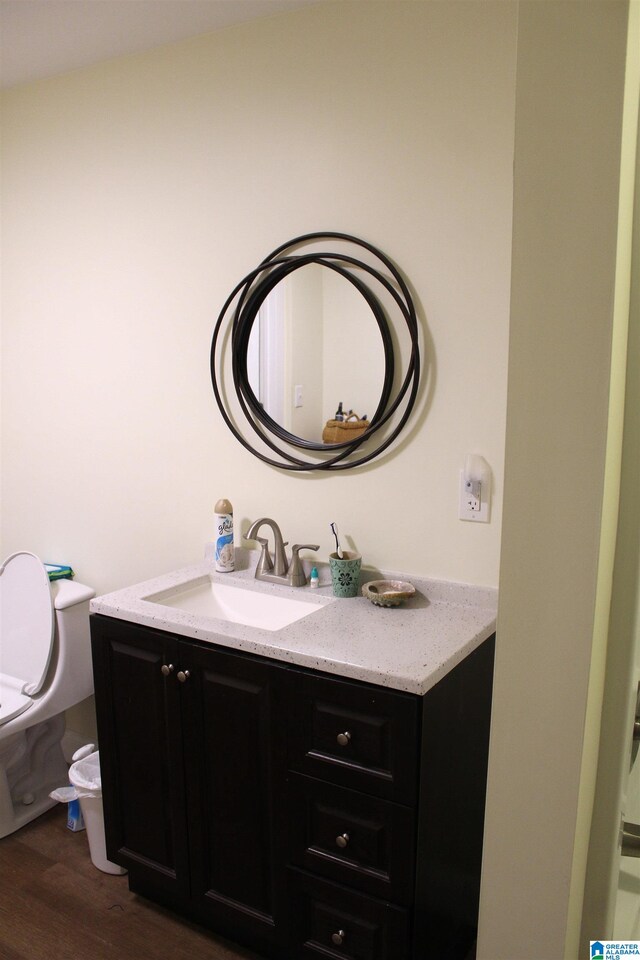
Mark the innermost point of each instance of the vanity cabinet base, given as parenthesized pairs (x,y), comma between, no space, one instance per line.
(298,813)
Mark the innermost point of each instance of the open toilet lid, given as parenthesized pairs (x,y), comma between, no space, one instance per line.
(26,620)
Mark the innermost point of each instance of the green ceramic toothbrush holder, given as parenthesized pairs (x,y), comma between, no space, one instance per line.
(345,573)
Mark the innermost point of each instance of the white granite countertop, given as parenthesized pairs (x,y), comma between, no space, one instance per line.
(409,647)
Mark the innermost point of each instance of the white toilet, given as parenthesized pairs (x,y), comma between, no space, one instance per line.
(45,668)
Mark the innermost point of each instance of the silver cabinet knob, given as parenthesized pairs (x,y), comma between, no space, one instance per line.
(166,669)
(183,675)
(342,840)
(338,937)
(344,739)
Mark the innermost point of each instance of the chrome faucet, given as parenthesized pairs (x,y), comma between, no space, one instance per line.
(277,570)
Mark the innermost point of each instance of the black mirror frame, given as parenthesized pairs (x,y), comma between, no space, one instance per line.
(251,293)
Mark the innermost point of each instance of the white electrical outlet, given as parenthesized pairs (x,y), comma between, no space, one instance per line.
(474,500)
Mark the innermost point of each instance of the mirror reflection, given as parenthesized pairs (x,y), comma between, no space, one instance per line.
(315,345)
(325,319)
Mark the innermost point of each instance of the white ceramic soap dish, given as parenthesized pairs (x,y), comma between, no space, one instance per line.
(388,593)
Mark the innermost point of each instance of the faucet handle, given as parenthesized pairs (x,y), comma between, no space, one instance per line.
(296,575)
(265,562)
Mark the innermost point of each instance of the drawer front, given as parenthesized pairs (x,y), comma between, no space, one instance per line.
(331,922)
(361,841)
(355,735)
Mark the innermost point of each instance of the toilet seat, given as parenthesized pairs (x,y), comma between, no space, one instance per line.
(27,626)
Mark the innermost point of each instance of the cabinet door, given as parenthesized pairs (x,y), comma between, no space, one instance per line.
(140,751)
(228,733)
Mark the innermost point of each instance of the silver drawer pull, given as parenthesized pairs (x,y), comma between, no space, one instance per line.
(183,675)
(342,840)
(338,937)
(344,739)
(166,669)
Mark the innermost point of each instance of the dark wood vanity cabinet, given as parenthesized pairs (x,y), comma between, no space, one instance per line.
(302,814)
(187,772)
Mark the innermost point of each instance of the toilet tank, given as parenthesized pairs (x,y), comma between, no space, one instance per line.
(70,670)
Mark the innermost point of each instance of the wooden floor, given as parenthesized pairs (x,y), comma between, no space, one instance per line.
(55,905)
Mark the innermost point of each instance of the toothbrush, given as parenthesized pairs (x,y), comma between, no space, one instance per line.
(334,529)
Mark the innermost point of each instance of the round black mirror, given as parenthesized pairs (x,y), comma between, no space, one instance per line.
(349,307)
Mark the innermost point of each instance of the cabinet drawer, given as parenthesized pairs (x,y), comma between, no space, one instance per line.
(329,921)
(361,841)
(356,735)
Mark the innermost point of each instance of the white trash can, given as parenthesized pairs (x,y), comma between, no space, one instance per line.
(84,775)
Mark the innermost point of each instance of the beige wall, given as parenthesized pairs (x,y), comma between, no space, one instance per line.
(136,194)
(569,95)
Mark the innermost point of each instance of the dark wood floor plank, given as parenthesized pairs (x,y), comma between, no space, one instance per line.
(55,904)
(8,953)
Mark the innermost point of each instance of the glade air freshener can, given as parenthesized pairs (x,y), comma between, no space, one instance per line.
(224,554)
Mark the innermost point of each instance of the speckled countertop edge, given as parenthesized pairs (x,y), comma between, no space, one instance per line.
(410,647)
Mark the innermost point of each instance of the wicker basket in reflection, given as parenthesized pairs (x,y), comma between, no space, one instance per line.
(341,431)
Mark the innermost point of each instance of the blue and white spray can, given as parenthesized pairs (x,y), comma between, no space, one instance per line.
(224,553)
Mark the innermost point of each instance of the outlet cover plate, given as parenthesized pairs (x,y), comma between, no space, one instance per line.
(469,507)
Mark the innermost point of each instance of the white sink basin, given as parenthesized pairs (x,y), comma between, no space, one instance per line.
(209,598)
